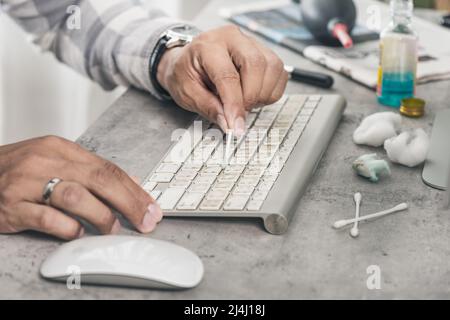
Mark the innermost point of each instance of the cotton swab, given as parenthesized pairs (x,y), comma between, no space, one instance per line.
(354,232)
(342,223)
(229,140)
(447,197)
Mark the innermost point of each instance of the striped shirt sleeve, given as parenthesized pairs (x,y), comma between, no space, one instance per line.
(109,41)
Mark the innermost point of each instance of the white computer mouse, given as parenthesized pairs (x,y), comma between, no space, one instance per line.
(125,261)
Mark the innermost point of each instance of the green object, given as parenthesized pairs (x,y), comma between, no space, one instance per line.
(370,167)
(424,3)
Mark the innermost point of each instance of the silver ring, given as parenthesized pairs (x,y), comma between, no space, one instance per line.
(48,189)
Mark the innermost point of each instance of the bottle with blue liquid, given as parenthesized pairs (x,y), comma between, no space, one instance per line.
(398,56)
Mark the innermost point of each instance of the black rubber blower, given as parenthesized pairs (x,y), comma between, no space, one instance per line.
(330,21)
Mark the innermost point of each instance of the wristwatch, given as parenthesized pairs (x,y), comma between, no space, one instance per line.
(178,36)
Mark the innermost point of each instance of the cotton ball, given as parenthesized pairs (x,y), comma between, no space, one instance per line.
(376,128)
(410,148)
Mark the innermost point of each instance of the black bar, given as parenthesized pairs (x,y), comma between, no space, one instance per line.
(313,78)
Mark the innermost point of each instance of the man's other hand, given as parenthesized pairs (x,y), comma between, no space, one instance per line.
(90,186)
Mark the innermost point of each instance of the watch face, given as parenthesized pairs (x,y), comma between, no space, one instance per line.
(183,31)
(180,36)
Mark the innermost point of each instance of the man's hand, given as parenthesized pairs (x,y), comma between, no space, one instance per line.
(221,75)
(89,185)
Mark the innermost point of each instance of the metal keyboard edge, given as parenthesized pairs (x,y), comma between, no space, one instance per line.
(283,199)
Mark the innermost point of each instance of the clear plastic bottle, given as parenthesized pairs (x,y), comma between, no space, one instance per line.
(398,56)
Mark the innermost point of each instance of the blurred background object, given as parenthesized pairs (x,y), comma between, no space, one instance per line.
(330,21)
(40,96)
(442,5)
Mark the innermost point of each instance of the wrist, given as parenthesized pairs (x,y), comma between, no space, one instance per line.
(164,55)
(165,66)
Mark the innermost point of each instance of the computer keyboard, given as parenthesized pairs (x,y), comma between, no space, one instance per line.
(261,174)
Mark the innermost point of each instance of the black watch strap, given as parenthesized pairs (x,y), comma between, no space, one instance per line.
(155,59)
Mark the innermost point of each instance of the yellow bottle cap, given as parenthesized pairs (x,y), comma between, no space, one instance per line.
(413,107)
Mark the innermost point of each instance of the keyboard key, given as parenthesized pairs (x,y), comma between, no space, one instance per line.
(298,99)
(253,172)
(170,197)
(227,185)
(300,125)
(263,123)
(303,119)
(210,141)
(256,166)
(199,187)
(215,160)
(310,106)
(288,144)
(260,195)
(190,201)
(283,99)
(249,180)
(155,194)
(212,170)
(219,195)
(192,165)
(306,112)
(236,202)
(237,168)
(252,136)
(149,185)
(187,174)
(272,108)
(265,186)
(250,118)
(231,176)
(273,138)
(296,131)
(254,205)
(205,179)
(183,147)
(275,167)
(202,153)
(269,177)
(243,189)
(161,177)
(315,98)
(168,167)
(211,205)
(180,183)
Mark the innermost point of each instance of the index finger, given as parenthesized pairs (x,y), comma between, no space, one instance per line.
(74,152)
(107,183)
(222,72)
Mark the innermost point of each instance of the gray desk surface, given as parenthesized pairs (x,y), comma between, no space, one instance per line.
(243,261)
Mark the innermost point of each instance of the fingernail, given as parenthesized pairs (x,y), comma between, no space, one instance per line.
(222,122)
(116,227)
(239,127)
(80,233)
(151,218)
